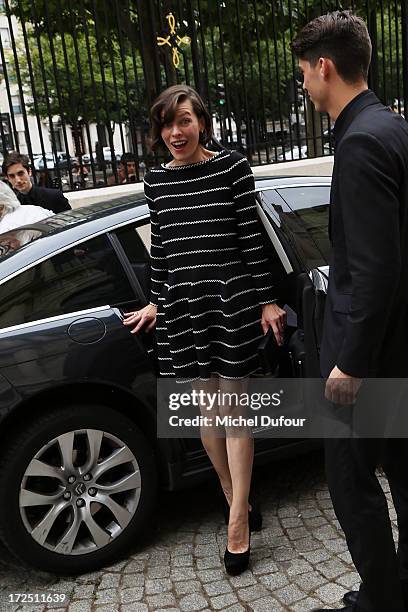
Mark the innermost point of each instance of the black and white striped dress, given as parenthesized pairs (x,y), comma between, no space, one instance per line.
(210,271)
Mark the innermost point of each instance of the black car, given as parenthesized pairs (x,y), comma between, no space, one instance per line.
(80,461)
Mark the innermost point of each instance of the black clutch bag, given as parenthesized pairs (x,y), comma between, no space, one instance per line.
(268,351)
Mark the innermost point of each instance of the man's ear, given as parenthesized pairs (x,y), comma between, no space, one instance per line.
(30,172)
(327,67)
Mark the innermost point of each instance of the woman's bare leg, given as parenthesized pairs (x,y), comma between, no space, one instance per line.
(240,455)
(214,444)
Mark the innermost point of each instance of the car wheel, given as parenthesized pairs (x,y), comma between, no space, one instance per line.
(78,488)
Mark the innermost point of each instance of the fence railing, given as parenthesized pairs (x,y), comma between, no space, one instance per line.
(77,78)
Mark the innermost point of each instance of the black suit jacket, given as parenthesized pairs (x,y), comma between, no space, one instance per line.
(366,320)
(52,199)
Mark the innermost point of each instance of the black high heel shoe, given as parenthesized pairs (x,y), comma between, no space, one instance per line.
(254,515)
(236,563)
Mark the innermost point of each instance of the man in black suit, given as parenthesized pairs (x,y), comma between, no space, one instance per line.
(17,170)
(366,319)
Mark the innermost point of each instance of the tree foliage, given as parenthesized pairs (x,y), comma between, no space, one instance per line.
(98,60)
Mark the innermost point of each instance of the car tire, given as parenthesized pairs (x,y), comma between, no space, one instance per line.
(108,451)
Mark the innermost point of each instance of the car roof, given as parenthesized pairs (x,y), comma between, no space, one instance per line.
(66,228)
(70,227)
(274,182)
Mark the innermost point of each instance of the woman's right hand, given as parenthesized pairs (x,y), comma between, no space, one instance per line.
(140,318)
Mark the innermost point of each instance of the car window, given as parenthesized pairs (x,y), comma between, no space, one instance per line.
(307,222)
(85,276)
(135,241)
(303,198)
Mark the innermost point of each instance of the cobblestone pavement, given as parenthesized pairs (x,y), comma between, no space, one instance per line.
(299,560)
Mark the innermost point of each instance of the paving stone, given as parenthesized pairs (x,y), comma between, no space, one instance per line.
(161,600)
(286,511)
(208,562)
(349,580)
(130,595)
(106,596)
(235,608)
(205,550)
(289,594)
(109,581)
(325,533)
(134,607)
(308,513)
(80,606)
(193,602)
(310,581)
(336,546)
(316,556)
(158,571)
(159,558)
(222,601)
(183,573)
(265,603)
(332,568)
(298,566)
(346,557)
(292,521)
(116,567)
(253,592)
(134,567)
(330,593)
(325,504)
(324,494)
(182,561)
(133,580)
(206,538)
(159,585)
(182,549)
(317,521)
(83,591)
(284,554)
(211,575)
(274,581)
(243,580)
(306,544)
(190,586)
(217,588)
(264,566)
(306,605)
(107,608)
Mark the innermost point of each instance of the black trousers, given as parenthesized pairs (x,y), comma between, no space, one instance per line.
(361,508)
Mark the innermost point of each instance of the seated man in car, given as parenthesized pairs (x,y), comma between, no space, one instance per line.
(16,168)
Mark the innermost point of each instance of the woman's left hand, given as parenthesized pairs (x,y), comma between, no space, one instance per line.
(273,316)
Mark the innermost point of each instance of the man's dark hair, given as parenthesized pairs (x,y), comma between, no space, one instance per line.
(341,37)
(128,157)
(15,158)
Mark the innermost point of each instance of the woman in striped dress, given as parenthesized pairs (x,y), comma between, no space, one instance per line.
(212,291)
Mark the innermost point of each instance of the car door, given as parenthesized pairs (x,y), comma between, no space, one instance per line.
(304,221)
(60,320)
(132,243)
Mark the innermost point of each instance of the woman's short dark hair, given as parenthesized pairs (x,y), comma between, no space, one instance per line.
(164,110)
(341,37)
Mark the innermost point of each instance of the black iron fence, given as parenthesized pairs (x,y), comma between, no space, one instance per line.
(78,77)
